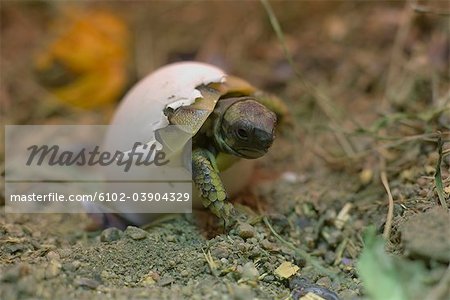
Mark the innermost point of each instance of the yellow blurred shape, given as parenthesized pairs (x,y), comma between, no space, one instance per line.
(91,50)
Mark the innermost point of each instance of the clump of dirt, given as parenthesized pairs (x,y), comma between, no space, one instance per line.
(427,234)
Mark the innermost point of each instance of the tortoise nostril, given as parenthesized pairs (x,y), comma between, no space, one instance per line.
(265,138)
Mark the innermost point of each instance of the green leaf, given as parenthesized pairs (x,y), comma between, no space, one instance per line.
(386,277)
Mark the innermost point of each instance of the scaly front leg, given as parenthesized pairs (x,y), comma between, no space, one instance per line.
(206,177)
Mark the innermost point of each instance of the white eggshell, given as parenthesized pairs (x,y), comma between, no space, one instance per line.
(172,86)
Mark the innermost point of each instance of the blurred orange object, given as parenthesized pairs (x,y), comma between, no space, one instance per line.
(86,64)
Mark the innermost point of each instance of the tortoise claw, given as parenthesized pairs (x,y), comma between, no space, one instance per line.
(230,221)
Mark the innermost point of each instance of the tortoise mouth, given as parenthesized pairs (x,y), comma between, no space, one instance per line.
(251,152)
(245,152)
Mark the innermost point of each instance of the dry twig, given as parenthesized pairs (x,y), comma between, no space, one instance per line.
(390,214)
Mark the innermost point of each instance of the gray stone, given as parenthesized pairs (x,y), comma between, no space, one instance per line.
(53,269)
(135,233)
(246,230)
(87,283)
(325,282)
(166,280)
(110,234)
(426,234)
(249,272)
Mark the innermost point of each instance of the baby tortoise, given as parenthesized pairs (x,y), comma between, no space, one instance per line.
(233,120)
(227,118)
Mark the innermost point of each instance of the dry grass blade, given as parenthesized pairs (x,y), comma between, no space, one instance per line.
(426,10)
(322,100)
(390,214)
(438,176)
(211,263)
(396,56)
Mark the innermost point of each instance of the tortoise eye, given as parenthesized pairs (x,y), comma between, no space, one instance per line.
(242,133)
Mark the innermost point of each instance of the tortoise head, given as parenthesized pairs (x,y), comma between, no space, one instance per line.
(245,128)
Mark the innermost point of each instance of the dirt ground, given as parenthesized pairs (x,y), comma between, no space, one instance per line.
(367,84)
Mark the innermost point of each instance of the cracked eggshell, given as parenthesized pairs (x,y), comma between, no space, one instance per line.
(141,113)
(173,86)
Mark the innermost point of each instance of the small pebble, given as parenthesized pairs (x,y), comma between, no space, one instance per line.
(52,255)
(148,281)
(53,269)
(246,230)
(249,271)
(268,245)
(348,294)
(324,281)
(252,240)
(185,273)
(87,283)
(68,267)
(135,233)
(172,263)
(110,234)
(241,246)
(220,252)
(269,278)
(171,238)
(76,264)
(104,275)
(166,280)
